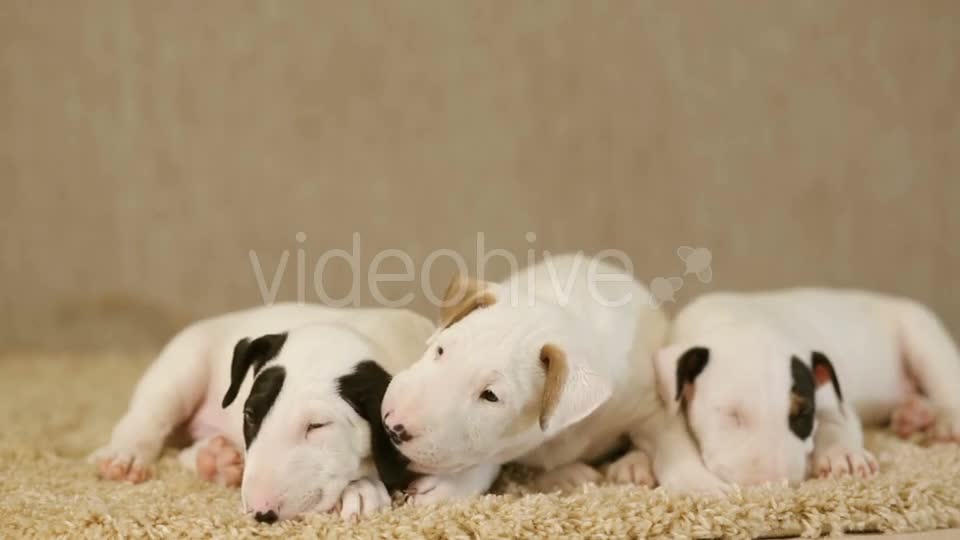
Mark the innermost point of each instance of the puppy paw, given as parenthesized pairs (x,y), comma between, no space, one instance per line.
(946,426)
(915,415)
(567,477)
(699,481)
(837,462)
(431,489)
(120,464)
(361,498)
(220,462)
(633,468)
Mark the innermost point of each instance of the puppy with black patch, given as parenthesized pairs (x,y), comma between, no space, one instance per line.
(298,388)
(774,386)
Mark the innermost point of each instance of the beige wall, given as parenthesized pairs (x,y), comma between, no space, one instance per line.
(147,147)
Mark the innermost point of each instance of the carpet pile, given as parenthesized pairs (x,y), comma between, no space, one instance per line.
(58,408)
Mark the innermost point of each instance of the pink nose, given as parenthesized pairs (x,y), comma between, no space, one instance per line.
(262,503)
(399,433)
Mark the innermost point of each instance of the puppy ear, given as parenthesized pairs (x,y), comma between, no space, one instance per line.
(247,353)
(677,367)
(823,372)
(463,295)
(803,404)
(363,389)
(570,391)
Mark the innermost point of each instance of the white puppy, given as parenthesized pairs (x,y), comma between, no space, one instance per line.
(772,383)
(303,398)
(547,368)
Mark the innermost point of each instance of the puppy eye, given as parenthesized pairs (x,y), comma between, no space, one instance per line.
(439,351)
(311,427)
(247,415)
(487,395)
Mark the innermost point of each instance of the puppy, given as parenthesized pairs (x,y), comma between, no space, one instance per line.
(302,399)
(774,385)
(547,368)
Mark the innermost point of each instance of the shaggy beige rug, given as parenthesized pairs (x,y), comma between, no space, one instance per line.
(58,409)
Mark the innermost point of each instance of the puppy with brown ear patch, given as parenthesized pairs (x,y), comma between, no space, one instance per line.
(548,368)
(774,385)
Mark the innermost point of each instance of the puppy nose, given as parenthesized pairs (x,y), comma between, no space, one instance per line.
(398,433)
(265,517)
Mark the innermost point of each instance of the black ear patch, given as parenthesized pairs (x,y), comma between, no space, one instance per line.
(363,390)
(689,366)
(263,394)
(823,371)
(802,403)
(246,353)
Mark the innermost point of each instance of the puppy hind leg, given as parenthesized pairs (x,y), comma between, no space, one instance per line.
(567,477)
(214,459)
(934,361)
(166,395)
(915,414)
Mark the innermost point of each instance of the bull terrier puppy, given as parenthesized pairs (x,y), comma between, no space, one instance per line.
(548,368)
(774,386)
(302,399)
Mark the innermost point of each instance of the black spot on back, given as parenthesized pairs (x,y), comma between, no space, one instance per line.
(363,389)
(802,404)
(263,394)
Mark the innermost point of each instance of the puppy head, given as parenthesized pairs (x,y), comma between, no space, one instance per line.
(305,422)
(494,382)
(750,404)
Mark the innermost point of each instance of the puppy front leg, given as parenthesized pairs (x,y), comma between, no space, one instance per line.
(435,488)
(167,394)
(838,444)
(677,464)
(362,497)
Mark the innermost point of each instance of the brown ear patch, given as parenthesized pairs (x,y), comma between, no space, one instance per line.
(798,404)
(824,373)
(554,362)
(821,374)
(462,297)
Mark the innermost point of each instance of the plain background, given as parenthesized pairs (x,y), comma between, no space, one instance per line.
(147,147)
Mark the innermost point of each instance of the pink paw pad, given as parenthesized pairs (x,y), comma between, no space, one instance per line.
(119,469)
(220,462)
(914,415)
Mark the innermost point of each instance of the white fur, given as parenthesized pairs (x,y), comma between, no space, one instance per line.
(461,440)
(872,340)
(286,470)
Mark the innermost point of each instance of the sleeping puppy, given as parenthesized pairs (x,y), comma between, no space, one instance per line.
(774,385)
(302,399)
(547,368)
